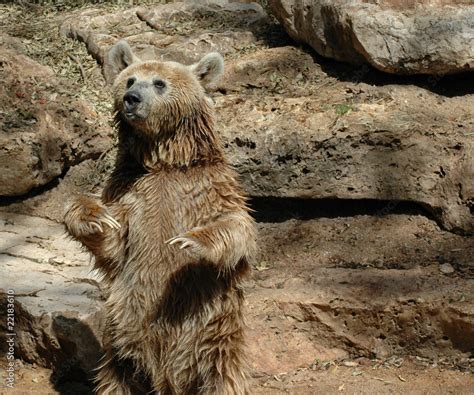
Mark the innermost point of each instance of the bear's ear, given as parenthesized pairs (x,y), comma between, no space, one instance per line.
(209,69)
(119,57)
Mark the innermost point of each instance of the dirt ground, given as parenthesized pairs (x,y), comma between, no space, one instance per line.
(334,309)
(355,297)
(358,378)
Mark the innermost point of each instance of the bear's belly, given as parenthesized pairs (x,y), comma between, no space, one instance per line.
(147,311)
(155,210)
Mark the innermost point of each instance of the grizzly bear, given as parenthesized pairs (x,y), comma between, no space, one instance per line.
(171,235)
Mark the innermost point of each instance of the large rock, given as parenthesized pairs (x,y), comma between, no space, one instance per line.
(43,130)
(413,37)
(182,31)
(292,130)
(58,318)
(380,148)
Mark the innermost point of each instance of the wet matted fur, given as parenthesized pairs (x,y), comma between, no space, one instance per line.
(171,236)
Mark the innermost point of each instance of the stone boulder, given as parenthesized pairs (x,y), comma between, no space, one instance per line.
(43,130)
(401,37)
(58,317)
(388,148)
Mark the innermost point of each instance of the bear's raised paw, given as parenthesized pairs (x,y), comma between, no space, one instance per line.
(87,216)
(185,240)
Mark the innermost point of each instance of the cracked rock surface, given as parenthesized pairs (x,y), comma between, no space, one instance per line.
(58,304)
(401,37)
(43,131)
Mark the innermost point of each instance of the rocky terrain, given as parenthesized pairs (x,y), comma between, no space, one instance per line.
(361,182)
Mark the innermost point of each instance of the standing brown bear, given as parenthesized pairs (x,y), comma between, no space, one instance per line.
(171,236)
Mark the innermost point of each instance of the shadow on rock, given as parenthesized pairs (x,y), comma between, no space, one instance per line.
(452,85)
(74,373)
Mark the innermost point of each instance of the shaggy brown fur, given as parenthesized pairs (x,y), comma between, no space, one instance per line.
(171,236)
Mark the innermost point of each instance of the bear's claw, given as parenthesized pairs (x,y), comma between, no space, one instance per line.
(109,220)
(186,241)
(96,225)
(104,219)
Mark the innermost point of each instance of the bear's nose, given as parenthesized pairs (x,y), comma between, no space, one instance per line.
(131,100)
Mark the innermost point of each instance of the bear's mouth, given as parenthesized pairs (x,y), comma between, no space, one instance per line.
(137,117)
(133,116)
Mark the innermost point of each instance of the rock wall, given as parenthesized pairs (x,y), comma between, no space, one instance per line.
(290,129)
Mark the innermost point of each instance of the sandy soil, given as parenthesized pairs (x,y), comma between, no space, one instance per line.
(362,377)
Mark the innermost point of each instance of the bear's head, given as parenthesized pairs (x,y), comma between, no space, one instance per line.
(164,104)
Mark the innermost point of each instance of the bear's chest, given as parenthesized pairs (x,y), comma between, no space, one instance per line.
(160,206)
(166,203)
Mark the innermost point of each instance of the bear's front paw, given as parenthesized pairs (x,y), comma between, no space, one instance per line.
(87,216)
(187,241)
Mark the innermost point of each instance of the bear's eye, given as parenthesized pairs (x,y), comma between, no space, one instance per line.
(130,82)
(160,84)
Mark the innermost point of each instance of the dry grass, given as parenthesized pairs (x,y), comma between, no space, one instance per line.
(37,25)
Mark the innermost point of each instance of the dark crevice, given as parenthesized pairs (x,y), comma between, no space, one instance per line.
(7,200)
(272,209)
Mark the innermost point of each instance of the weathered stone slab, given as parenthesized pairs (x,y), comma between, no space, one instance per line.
(409,37)
(182,31)
(380,151)
(58,315)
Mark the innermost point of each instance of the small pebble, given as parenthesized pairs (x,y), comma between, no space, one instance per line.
(446,268)
(350,364)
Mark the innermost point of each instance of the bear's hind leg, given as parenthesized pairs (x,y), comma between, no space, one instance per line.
(223,371)
(232,381)
(119,377)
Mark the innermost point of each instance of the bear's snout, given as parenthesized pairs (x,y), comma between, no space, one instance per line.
(131,101)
